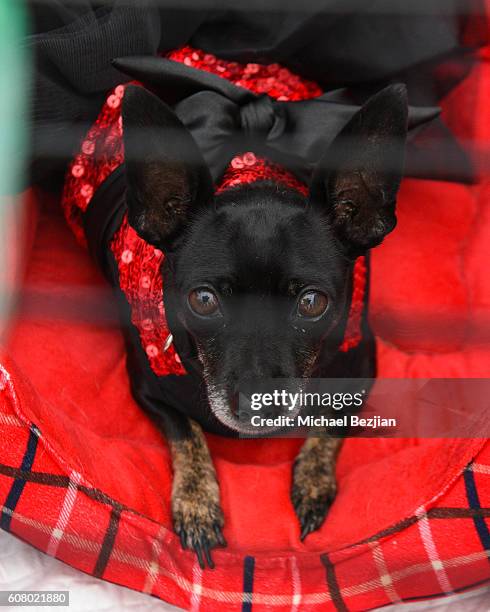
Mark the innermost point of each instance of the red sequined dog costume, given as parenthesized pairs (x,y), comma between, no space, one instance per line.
(138,262)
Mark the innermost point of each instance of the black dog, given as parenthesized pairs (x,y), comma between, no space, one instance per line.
(259,277)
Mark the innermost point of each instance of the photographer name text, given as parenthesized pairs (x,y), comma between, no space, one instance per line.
(346,420)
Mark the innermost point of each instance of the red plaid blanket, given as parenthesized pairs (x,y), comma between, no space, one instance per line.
(442,548)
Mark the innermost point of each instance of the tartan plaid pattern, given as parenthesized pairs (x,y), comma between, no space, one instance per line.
(442,548)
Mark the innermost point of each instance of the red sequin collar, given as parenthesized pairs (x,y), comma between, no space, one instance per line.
(138,262)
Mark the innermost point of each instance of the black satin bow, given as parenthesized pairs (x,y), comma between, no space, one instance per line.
(225,119)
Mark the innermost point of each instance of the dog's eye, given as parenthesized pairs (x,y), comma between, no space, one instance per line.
(204,302)
(312,304)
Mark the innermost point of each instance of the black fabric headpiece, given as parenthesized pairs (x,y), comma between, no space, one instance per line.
(226,119)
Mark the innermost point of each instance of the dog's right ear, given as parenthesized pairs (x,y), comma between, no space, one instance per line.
(167,178)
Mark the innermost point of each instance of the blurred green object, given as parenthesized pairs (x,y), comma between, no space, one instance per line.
(14,82)
(14,78)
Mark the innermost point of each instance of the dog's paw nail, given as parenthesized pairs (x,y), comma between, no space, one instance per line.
(183,539)
(305,531)
(198,551)
(199,526)
(202,548)
(308,525)
(219,534)
(207,553)
(311,514)
(311,497)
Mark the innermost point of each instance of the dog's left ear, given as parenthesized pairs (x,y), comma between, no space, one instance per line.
(167,178)
(357,180)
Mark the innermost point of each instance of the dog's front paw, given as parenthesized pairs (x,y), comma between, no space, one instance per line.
(198,518)
(314,486)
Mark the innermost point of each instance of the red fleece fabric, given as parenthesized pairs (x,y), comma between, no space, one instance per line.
(411,516)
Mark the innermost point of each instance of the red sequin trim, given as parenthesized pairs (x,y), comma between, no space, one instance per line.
(248,168)
(139,264)
(100,154)
(353,332)
(271,79)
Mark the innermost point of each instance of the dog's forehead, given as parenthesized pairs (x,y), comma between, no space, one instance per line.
(262,245)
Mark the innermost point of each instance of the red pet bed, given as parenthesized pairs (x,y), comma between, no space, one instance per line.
(86,477)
